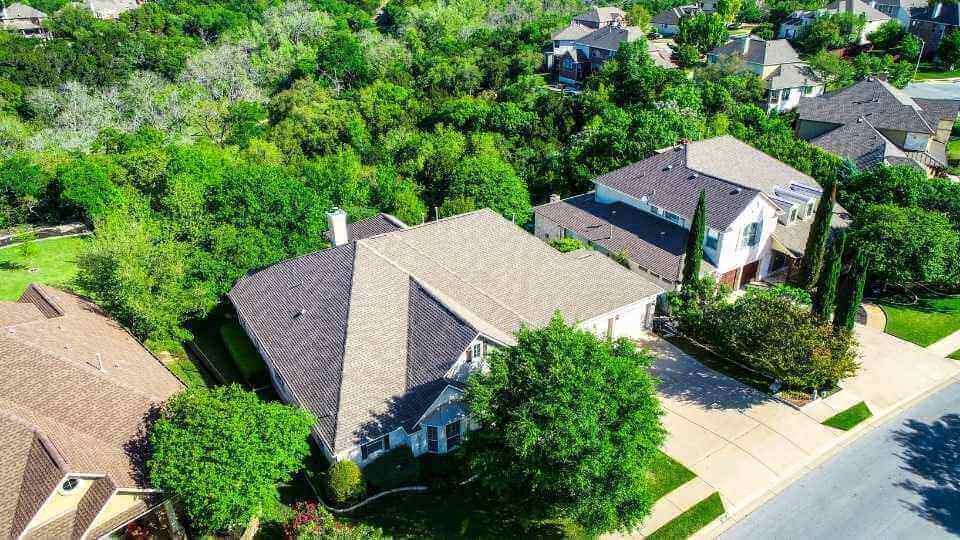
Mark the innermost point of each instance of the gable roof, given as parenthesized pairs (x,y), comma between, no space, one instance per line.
(571,32)
(63,408)
(601,14)
(792,76)
(858,7)
(21,11)
(860,142)
(673,15)
(883,105)
(759,51)
(610,37)
(361,334)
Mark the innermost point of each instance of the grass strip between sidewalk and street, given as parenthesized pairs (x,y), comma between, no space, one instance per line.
(848,419)
(667,474)
(688,523)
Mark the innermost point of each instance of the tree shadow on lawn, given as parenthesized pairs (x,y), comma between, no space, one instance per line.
(10,265)
(932,452)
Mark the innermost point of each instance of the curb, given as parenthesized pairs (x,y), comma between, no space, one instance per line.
(732,517)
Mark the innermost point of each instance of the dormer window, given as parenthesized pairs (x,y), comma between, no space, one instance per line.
(478,350)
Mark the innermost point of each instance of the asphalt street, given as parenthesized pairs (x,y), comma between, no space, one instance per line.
(901,480)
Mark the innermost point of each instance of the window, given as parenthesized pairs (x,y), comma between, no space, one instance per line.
(713,238)
(807,90)
(478,350)
(774,96)
(793,213)
(69,485)
(453,435)
(673,217)
(751,235)
(810,208)
(567,64)
(383,443)
(432,444)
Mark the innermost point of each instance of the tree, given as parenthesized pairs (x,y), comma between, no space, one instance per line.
(222,451)
(567,244)
(571,423)
(825,295)
(729,9)
(887,35)
(850,293)
(817,238)
(909,47)
(492,183)
(705,31)
(693,258)
(28,249)
(949,51)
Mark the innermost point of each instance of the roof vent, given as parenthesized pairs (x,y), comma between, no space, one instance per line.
(301,313)
(668,167)
(692,176)
(736,190)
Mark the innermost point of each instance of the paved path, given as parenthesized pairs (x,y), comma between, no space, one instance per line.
(947,345)
(901,480)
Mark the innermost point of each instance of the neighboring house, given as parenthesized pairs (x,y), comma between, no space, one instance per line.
(661,55)
(23,19)
(667,22)
(932,22)
(708,6)
(872,122)
(795,24)
(75,392)
(590,40)
(111,9)
(376,336)
(785,77)
(902,10)
(759,212)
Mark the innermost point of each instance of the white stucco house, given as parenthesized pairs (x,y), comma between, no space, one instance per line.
(377,335)
(759,212)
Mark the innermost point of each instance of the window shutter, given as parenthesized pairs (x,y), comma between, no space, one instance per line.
(470,353)
(386,441)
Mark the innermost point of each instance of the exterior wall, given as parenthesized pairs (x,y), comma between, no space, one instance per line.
(666,29)
(790,102)
(733,256)
(790,31)
(931,33)
(629,321)
(119,503)
(907,140)
(60,503)
(944,127)
(807,129)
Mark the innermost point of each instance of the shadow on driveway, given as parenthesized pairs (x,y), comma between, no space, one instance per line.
(932,452)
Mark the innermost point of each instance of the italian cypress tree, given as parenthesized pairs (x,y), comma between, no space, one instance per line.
(825,296)
(817,240)
(698,231)
(851,293)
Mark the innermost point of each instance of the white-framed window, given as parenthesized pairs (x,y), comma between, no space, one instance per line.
(713,238)
(433,441)
(811,208)
(774,96)
(807,90)
(452,431)
(478,350)
(372,447)
(751,234)
(793,213)
(567,64)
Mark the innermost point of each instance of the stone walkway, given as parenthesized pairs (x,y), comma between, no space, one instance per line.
(876,318)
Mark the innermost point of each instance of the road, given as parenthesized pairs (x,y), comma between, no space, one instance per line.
(901,480)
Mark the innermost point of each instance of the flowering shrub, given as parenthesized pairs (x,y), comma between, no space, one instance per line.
(313,522)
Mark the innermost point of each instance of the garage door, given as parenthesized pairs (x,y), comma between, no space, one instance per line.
(749,273)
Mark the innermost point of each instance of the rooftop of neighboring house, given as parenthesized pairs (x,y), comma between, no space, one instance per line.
(111,9)
(946,13)
(21,11)
(662,56)
(610,37)
(884,106)
(598,14)
(673,15)
(363,334)
(754,50)
(573,31)
(792,76)
(857,7)
(75,391)
(862,144)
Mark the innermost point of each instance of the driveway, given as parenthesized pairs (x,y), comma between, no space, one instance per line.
(899,481)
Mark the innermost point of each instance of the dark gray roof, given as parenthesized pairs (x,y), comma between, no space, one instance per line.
(666,181)
(883,105)
(654,244)
(949,14)
(859,142)
(935,110)
(673,15)
(759,51)
(305,347)
(610,37)
(378,224)
(601,14)
(858,7)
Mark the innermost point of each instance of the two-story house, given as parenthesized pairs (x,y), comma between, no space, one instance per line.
(902,10)
(931,22)
(873,122)
(759,212)
(23,19)
(377,335)
(590,40)
(785,77)
(667,22)
(796,23)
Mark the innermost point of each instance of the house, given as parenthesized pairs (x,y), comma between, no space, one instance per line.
(111,9)
(872,122)
(932,22)
(667,22)
(377,335)
(759,212)
(785,77)
(24,19)
(75,392)
(795,24)
(902,10)
(708,6)
(590,40)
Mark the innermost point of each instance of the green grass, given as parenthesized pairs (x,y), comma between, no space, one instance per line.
(926,74)
(206,336)
(242,351)
(954,355)
(925,322)
(686,524)
(667,475)
(849,418)
(56,261)
(953,150)
(190,375)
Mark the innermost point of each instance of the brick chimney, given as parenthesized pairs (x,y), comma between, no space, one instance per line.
(337,219)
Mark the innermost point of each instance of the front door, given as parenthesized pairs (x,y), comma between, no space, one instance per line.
(749,273)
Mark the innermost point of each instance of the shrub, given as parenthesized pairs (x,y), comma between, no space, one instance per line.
(393,469)
(344,482)
(312,521)
(442,471)
(565,245)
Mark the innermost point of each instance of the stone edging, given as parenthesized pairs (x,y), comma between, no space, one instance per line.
(42,232)
(418,489)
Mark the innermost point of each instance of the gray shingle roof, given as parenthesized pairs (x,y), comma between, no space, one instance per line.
(858,7)
(673,15)
(572,31)
(601,14)
(382,316)
(792,76)
(21,11)
(610,37)
(759,51)
(859,142)
(883,105)
(935,110)
(371,226)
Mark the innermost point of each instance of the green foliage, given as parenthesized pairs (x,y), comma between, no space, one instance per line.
(705,31)
(221,452)
(567,244)
(817,238)
(693,257)
(394,468)
(825,295)
(622,257)
(345,483)
(850,293)
(687,55)
(949,51)
(832,31)
(848,419)
(691,520)
(603,415)
(887,35)
(311,521)
(242,351)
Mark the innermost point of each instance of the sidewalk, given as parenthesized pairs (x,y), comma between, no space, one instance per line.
(947,345)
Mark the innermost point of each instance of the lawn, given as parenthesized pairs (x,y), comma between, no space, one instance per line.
(686,524)
(244,354)
(848,419)
(953,150)
(206,337)
(925,322)
(955,355)
(55,261)
(927,73)
(667,475)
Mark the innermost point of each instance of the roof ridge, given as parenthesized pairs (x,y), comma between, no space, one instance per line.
(713,176)
(425,224)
